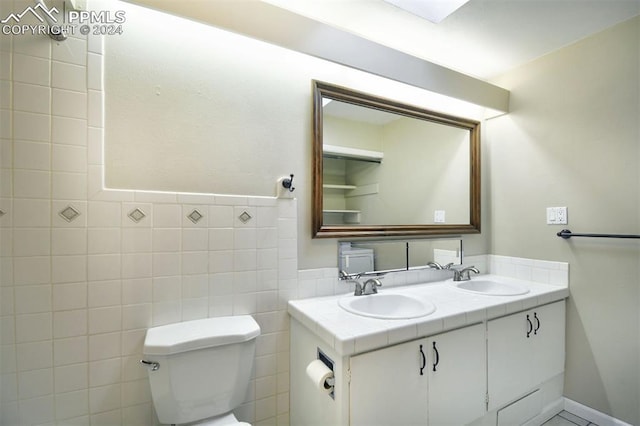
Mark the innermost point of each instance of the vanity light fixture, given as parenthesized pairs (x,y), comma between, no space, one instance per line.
(432,10)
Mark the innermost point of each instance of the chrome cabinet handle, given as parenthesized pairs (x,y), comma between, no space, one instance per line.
(154,365)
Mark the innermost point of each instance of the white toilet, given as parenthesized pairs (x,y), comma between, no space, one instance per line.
(200,370)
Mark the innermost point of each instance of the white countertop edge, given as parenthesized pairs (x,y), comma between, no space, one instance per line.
(349,334)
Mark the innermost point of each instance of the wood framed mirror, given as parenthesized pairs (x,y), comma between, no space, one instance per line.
(385,168)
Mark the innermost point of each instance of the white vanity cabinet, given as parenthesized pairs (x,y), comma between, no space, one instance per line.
(437,380)
(487,371)
(524,350)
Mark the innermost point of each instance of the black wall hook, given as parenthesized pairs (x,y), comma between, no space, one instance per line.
(288,183)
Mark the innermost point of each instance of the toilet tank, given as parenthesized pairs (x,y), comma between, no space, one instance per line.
(204,366)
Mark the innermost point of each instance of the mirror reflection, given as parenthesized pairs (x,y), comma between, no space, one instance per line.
(372,159)
(384,168)
(371,257)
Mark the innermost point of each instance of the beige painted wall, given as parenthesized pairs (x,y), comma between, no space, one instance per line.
(437,171)
(573,139)
(199,109)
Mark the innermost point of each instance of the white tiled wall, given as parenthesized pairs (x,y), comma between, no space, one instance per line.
(541,271)
(324,281)
(77,296)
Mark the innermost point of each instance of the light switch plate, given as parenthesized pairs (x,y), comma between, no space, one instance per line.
(557,216)
(439,216)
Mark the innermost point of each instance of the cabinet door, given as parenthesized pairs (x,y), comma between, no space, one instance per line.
(510,356)
(387,387)
(549,332)
(524,350)
(457,376)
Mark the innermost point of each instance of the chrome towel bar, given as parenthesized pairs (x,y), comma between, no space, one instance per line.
(566,234)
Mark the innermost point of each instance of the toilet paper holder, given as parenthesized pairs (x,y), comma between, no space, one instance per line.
(331,381)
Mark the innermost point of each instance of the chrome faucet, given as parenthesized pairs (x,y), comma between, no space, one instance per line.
(436,265)
(370,286)
(342,275)
(463,274)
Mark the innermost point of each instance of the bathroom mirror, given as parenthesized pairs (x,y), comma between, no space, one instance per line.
(357,257)
(383,168)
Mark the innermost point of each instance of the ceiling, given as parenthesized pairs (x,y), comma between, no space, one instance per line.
(483,38)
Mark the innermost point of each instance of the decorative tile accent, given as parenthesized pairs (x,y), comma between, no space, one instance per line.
(245,217)
(195,216)
(69,213)
(136,215)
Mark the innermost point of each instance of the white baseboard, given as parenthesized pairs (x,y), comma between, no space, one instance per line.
(592,415)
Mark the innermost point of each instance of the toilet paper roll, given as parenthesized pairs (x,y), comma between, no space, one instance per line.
(319,373)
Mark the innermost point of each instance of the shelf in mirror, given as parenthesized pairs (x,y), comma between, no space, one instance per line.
(340,187)
(341,216)
(343,152)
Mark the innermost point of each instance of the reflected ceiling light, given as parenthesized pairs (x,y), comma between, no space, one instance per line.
(432,10)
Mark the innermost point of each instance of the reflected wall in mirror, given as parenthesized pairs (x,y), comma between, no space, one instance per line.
(370,257)
(386,168)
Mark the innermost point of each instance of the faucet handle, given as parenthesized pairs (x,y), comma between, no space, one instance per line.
(436,265)
(464,274)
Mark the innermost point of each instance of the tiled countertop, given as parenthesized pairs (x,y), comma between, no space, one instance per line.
(350,334)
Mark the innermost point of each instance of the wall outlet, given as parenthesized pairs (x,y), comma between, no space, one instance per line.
(439,216)
(557,216)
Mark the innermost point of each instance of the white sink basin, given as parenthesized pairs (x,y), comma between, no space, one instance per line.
(491,288)
(387,306)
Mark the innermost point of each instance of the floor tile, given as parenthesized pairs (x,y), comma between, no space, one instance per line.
(567,419)
(558,421)
(573,418)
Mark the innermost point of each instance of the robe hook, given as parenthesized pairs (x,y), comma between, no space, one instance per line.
(288,183)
